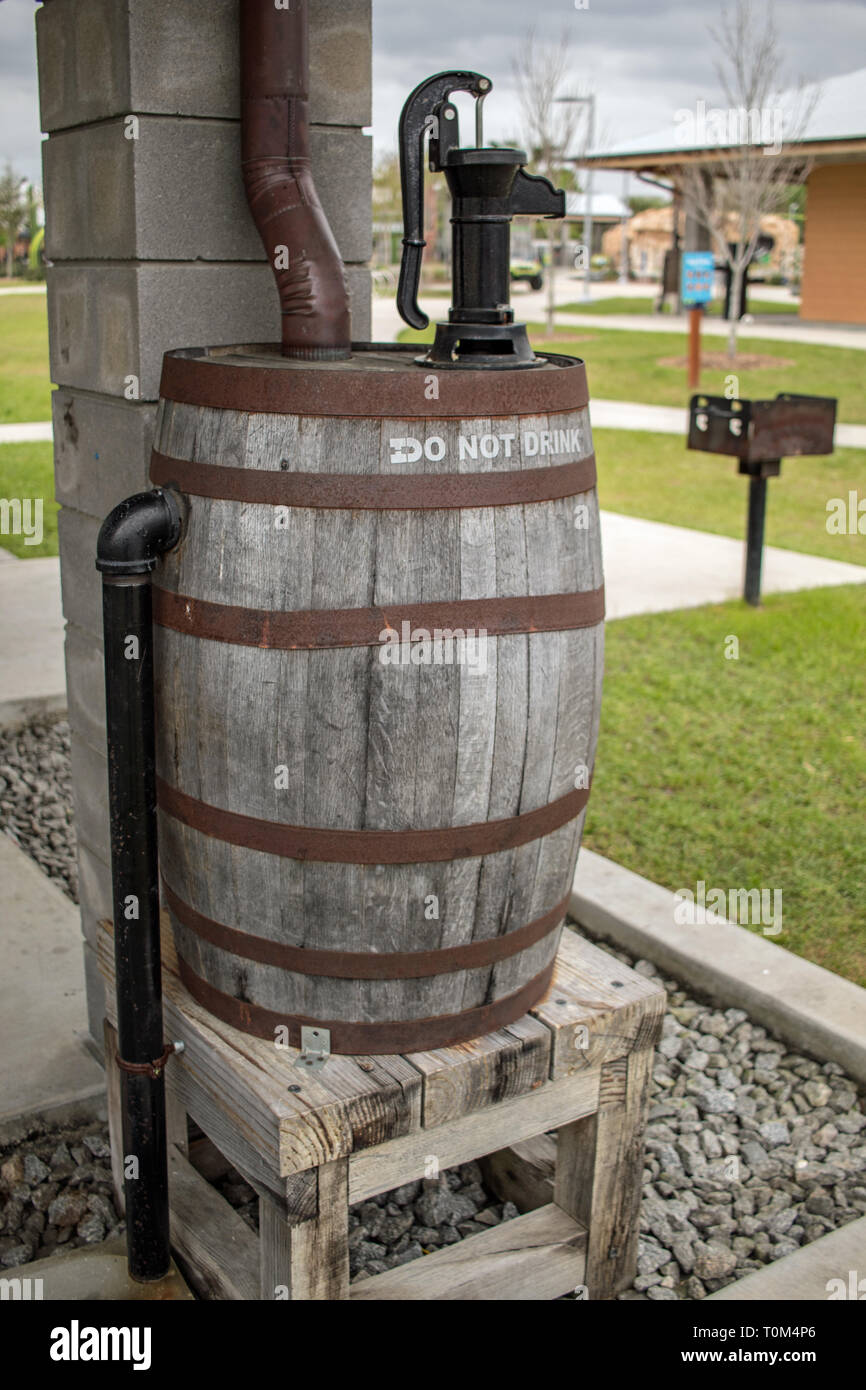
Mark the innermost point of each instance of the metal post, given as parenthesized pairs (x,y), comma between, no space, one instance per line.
(130,540)
(755,539)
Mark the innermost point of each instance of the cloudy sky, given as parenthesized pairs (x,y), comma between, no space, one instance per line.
(643,58)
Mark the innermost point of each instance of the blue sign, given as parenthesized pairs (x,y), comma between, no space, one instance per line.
(697,276)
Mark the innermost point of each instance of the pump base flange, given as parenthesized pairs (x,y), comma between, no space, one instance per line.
(492,346)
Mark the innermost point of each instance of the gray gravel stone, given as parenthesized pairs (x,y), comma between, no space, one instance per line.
(17,1255)
(35,1171)
(405,1195)
(774,1133)
(714,1260)
(91,1229)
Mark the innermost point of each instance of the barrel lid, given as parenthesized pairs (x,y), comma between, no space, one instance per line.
(379,379)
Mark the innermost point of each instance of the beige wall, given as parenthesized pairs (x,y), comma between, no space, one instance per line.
(834,264)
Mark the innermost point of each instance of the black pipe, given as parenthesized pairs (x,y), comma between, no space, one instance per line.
(755,539)
(132,538)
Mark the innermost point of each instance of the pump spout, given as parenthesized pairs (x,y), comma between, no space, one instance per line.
(309,271)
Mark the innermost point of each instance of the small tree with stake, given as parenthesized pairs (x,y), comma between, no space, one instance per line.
(752,175)
(548,126)
(12,214)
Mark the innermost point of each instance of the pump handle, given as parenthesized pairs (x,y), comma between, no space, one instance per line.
(420,114)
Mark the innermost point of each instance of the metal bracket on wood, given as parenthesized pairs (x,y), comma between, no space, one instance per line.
(315,1048)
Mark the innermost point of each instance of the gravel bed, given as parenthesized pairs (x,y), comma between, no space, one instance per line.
(56,1195)
(752,1149)
(36,798)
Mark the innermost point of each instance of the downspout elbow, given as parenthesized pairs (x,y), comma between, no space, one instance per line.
(137,532)
(301,249)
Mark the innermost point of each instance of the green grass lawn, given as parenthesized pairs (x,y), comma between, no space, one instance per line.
(27,470)
(625,366)
(628,304)
(25,383)
(745,773)
(655,476)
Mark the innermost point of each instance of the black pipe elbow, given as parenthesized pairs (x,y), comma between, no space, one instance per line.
(140,529)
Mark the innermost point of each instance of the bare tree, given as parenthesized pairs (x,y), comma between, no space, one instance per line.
(12,214)
(756,167)
(548,126)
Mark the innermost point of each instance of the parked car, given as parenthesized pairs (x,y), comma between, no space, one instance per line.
(527,271)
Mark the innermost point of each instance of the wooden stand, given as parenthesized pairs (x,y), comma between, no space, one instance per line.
(313,1142)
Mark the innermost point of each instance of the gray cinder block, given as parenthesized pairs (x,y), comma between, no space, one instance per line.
(94,984)
(175,192)
(101,449)
(80,584)
(102,58)
(109,325)
(94,888)
(85,682)
(90,796)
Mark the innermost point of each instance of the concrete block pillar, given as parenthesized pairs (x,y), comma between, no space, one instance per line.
(151,247)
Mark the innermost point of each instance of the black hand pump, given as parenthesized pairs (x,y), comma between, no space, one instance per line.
(489,186)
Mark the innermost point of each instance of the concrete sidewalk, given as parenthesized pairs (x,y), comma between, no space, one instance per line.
(36,432)
(654,568)
(32,674)
(47,1069)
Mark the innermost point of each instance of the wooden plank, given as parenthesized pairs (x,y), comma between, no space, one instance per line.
(522,1173)
(308,1260)
(219,1251)
(596,1008)
(535,1257)
(459,1080)
(423,1154)
(599,1168)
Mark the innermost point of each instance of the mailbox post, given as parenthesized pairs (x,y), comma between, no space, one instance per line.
(759,434)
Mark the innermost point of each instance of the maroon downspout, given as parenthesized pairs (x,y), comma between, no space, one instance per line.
(310,275)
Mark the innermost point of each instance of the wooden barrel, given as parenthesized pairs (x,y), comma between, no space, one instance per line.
(379,659)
